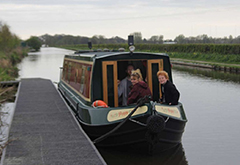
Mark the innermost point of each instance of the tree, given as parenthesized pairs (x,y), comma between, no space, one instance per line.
(180,39)
(101,39)
(34,43)
(230,39)
(8,40)
(137,37)
(156,39)
(94,39)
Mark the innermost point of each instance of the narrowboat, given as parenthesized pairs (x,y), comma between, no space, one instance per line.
(90,76)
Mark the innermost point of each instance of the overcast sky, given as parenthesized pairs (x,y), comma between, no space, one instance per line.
(170,18)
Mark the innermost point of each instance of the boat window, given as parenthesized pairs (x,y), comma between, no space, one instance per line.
(153,66)
(122,66)
(65,70)
(82,82)
(77,76)
(155,83)
(110,82)
(109,77)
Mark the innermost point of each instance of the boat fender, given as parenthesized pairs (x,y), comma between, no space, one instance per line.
(99,103)
(155,123)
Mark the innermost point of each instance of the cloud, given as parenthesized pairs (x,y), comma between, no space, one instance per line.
(119,17)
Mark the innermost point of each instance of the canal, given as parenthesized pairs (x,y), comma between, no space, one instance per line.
(211,101)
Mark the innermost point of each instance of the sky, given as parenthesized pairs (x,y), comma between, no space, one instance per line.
(110,18)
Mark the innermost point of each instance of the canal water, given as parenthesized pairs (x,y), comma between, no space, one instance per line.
(211,101)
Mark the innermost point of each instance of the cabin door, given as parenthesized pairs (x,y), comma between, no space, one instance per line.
(153,66)
(110,85)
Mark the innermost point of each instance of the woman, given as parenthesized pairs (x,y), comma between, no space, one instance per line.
(139,89)
(170,94)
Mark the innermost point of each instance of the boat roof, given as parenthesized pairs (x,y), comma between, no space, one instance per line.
(97,55)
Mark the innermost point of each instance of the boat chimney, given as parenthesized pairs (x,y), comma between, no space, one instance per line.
(130,40)
(131,44)
(90,45)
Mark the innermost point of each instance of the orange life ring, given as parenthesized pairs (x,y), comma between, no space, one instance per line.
(99,103)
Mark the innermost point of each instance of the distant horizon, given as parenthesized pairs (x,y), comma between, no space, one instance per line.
(142,36)
(169,18)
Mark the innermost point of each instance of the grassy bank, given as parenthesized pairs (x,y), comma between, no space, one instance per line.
(222,49)
(8,62)
(229,60)
(215,59)
(8,71)
(11,53)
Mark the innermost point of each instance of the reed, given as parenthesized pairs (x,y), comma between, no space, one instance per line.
(8,61)
(7,94)
(5,63)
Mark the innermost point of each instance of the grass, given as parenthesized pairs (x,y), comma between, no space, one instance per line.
(229,60)
(8,61)
(8,74)
(209,59)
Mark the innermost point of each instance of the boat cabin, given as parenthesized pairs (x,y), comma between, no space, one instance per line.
(94,75)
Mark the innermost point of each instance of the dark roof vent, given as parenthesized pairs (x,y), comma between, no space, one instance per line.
(106,50)
(121,49)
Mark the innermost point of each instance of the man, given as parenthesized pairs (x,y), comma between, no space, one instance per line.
(124,86)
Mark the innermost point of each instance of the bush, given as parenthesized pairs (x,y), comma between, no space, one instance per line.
(34,43)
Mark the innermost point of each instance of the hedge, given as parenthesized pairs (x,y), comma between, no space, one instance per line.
(181,48)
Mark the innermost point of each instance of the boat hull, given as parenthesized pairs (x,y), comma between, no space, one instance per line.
(132,132)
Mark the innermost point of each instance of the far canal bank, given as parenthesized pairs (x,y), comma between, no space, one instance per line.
(232,68)
(219,62)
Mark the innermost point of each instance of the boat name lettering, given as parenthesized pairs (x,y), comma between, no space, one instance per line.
(120,114)
(114,115)
(124,113)
(168,110)
(172,111)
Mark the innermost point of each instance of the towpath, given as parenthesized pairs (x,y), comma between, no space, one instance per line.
(204,62)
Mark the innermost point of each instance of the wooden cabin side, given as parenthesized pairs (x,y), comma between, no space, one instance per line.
(76,75)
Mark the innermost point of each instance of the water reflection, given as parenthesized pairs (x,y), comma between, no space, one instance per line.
(219,75)
(211,103)
(33,57)
(138,155)
(44,64)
